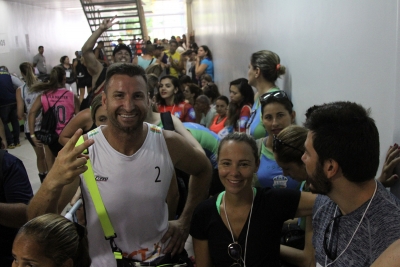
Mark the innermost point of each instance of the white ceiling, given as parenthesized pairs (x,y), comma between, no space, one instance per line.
(67,5)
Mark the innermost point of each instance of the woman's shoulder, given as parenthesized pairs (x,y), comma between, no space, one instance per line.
(206,206)
(246,107)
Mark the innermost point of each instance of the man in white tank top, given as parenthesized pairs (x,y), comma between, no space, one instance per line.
(133,164)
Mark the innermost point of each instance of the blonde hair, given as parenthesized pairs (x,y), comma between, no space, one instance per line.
(26,69)
(294,137)
(56,80)
(269,64)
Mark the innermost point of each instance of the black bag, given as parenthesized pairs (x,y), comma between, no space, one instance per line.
(292,236)
(47,133)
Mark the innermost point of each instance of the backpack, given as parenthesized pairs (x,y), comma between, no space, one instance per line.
(47,133)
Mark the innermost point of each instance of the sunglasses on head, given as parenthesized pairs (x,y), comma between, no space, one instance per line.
(235,252)
(278,144)
(276,94)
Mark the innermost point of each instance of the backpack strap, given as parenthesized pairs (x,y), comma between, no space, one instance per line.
(56,101)
(166,119)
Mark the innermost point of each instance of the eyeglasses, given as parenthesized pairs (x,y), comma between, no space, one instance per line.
(278,144)
(276,94)
(235,252)
(331,234)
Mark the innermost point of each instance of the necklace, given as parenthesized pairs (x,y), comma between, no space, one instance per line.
(358,226)
(248,226)
(172,112)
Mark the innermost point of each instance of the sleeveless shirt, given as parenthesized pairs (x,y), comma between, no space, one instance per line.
(133,189)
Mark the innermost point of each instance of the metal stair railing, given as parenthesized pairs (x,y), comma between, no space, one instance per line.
(129,12)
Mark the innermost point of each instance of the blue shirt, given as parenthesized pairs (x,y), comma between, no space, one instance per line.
(16,188)
(269,173)
(7,91)
(210,67)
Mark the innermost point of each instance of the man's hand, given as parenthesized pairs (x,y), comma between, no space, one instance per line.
(178,232)
(387,177)
(107,23)
(70,162)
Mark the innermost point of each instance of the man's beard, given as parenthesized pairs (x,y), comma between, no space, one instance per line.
(319,182)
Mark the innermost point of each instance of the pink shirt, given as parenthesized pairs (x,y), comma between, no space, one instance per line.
(65,107)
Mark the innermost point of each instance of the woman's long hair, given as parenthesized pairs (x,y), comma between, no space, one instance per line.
(178,96)
(26,69)
(57,80)
(248,99)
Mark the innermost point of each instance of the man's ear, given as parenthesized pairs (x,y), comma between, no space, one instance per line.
(331,168)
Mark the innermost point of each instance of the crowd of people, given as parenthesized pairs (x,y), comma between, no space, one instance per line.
(156,152)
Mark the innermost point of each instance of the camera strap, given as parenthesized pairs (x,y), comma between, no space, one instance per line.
(101,211)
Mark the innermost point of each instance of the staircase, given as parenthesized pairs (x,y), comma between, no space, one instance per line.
(129,13)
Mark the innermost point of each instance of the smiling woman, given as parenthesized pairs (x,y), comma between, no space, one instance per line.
(170,98)
(228,228)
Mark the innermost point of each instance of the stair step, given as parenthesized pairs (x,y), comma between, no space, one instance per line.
(110,3)
(112,10)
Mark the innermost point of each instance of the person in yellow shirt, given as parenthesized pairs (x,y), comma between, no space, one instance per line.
(175,65)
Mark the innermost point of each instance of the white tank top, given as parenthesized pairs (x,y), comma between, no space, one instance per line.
(29,98)
(134,189)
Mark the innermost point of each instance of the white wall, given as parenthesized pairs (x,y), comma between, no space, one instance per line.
(333,50)
(60,32)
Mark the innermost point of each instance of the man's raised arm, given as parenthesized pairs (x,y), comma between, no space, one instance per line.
(93,65)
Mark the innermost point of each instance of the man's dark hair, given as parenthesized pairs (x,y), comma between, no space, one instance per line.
(344,132)
(40,47)
(123,69)
(100,42)
(173,42)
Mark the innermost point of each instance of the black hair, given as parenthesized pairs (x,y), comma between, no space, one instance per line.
(123,69)
(195,89)
(185,79)
(178,96)
(206,49)
(224,98)
(40,47)
(211,91)
(344,132)
(284,101)
(62,59)
(248,99)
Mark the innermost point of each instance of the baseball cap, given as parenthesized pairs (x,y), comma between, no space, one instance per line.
(121,47)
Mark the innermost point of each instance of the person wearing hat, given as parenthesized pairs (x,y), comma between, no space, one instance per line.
(121,53)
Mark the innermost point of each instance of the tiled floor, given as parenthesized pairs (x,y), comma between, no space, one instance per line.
(27,155)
